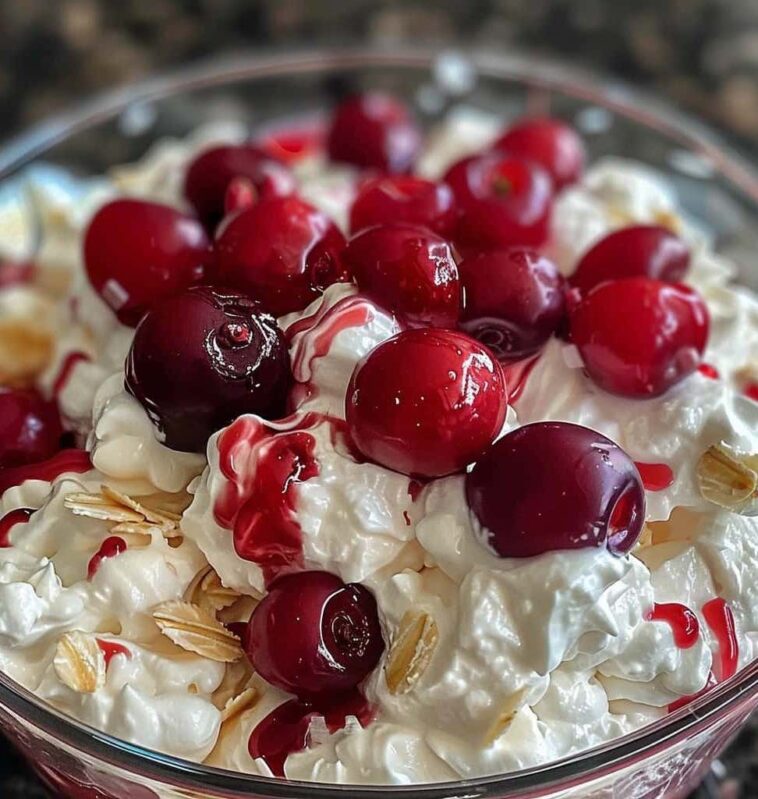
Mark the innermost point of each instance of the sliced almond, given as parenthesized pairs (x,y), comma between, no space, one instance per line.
(214,595)
(507,713)
(411,651)
(239,704)
(195,630)
(79,662)
(237,678)
(90,506)
(128,514)
(161,519)
(729,480)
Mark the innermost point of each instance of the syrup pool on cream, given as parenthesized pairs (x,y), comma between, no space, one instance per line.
(529,659)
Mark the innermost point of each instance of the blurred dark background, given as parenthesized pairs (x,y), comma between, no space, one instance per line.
(702,54)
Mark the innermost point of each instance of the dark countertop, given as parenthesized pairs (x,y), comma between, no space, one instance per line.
(702,54)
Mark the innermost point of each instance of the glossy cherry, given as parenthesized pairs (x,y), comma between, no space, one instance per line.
(313,635)
(204,357)
(638,337)
(374,131)
(636,251)
(502,200)
(282,251)
(404,198)
(137,253)
(408,270)
(30,428)
(426,402)
(514,300)
(551,143)
(211,171)
(552,485)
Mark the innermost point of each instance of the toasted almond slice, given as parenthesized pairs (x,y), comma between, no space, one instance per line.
(729,480)
(508,711)
(213,595)
(79,662)
(84,498)
(239,704)
(107,513)
(145,528)
(146,514)
(411,651)
(237,677)
(195,630)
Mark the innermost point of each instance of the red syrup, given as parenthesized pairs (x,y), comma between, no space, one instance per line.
(708,370)
(415,487)
(67,460)
(9,521)
(516,375)
(285,730)
(69,362)
(291,145)
(682,621)
(111,547)
(262,467)
(112,648)
(719,617)
(685,700)
(655,476)
(751,390)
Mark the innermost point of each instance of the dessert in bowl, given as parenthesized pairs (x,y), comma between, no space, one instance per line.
(403,459)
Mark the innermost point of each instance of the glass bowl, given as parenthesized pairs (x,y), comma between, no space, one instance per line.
(715,187)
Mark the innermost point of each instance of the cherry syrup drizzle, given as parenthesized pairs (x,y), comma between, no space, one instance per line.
(655,476)
(708,370)
(682,621)
(516,375)
(76,461)
(262,467)
(719,617)
(112,648)
(112,546)
(415,487)
(64,375)
(9,521)
(285,730)
(751,391)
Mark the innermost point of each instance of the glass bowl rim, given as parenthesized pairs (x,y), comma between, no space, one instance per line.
(614,95)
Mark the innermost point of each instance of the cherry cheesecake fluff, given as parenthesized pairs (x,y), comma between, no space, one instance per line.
(349,454)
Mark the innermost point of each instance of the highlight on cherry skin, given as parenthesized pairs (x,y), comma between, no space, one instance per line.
(137,253)
(639,337)
(204,357)
(281,251)
(513,300)
(552,486)
(427,402)
(636,251)
(408,270)
(313,635)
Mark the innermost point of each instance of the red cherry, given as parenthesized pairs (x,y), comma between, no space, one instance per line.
(503,201)
(30,428)
(514,300)
(211,172)
(404,198)
(551,143)
(313,635)
(203,358)
(638,337)
(552,485)
(408,270)
(281,251)
(15,273)
(374,131)
(636,251)
(426,402)
(138,252)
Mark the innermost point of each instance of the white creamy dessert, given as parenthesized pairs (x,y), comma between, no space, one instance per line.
(490,663)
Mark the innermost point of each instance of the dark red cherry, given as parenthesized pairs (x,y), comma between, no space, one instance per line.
(552,485)
(210,173)
(203,358)
(551,143)
(374,131)
(137,253)
(502,200)
(638,337)
(636,251)
(404,198)
(408,270)
(426,402)
(282,251)
(313,635)
(30,428)
(514,300)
